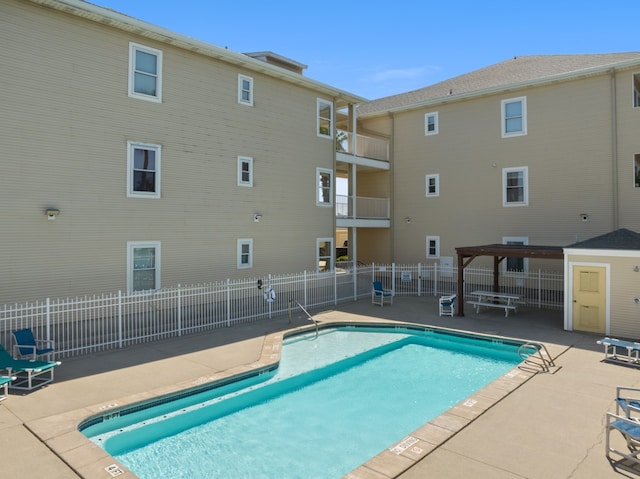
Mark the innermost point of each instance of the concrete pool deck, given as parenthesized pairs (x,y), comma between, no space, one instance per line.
(550,425)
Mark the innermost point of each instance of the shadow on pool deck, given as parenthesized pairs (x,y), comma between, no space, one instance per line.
(550,427)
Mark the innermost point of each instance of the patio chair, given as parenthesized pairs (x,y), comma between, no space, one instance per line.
(4,384)
(627,401)
(27,346)
(29,373)
(448,305)
(379,295)
(630,430)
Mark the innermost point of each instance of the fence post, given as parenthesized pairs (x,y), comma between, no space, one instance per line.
(48,319)
(393,279)
(335,286)
(179,312)
(539,288)
(228,302)
(419,279)
(270,303)
(120,319)
(305,288)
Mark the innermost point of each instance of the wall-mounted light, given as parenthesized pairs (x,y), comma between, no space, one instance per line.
(257,217)
(407,219)
(636,269)
(52,213)
(259,284)
(584,217)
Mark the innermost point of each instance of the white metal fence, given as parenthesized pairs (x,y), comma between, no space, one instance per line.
(95,323)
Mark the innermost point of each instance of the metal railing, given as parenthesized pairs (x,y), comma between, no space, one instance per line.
(362,207)
(115,320)
(366,146)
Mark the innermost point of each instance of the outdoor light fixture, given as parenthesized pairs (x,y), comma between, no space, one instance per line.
(52,213)
(584,217)
(257,217)
(407,219)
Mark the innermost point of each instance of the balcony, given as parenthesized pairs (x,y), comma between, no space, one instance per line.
(362,208)
(366,146)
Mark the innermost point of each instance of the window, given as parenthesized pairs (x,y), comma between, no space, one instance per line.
(433,246)
(519,265)
(143,266)
(325,118)
(245,171)
(433,185)
(145,72)
(514,117)
(431,123)
(324,187)
(636,90)
(143,170)
(636,170)
(245,90)
(515,187)
(324,260)
(245,253)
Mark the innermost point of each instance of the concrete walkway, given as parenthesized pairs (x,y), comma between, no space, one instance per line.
(549,427)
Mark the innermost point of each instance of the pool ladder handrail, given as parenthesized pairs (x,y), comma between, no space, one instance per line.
(532,355)
(309,317)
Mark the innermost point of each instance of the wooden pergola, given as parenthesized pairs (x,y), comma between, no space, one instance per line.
(466,254)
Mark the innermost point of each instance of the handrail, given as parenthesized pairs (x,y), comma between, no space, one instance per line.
(531,354)
(309,317)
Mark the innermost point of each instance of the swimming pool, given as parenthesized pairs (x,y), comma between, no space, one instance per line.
(345,396)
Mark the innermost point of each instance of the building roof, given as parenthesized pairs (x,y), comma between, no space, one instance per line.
(513,73)
(623,239)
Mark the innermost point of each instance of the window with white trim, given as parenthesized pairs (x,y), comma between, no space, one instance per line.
(515,186)
(324,258)
(143,170)
(145,72)
(515,265)
(245,171)
(324,187)
(245,90)
(325,118)
(514,117)
(433,247)
(636,170)
(143,265)
(431,123)
(245,253)
(432,185)
(636,90)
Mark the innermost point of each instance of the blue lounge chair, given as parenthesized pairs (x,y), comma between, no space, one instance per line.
(27,346)
(627,401)
(379,295)
(4,384)
(630,430)
(29,373)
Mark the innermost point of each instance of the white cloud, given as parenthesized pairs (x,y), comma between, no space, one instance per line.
(402,74)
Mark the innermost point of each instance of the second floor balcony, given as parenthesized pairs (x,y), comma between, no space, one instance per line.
(362,208)
(365,146)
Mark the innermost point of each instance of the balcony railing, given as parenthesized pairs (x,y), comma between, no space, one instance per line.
(361,207)
(366,146)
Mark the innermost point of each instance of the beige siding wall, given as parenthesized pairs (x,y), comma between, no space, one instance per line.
(628,128)
(66,122)
(567,151)
(624,287)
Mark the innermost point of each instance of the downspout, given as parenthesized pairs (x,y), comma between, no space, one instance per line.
(614,150)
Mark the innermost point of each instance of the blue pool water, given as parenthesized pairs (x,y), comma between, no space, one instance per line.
(333,403)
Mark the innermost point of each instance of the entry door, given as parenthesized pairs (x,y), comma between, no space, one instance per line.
(589,299)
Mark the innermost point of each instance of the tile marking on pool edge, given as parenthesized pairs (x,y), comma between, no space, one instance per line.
(404,445)
(470,402)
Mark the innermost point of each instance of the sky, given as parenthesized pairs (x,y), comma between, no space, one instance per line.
(379,48)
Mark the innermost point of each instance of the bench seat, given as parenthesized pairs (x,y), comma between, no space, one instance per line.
(620,351)
(506,307)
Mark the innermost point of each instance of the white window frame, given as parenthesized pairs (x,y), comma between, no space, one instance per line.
(636,170)
(525,185)
(241,243)
(515,240)
(319,188)
(434,115)
(241,90)
(435,240)
(131,147)
(321,120)
(133,48)
(635,86)
(242,160)
(329,257)
(503,113)
(436,185)
(131,247)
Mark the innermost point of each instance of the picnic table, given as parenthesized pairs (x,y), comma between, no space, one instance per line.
(493,299)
